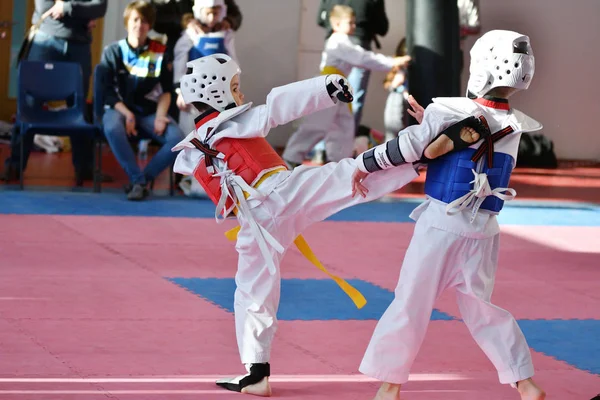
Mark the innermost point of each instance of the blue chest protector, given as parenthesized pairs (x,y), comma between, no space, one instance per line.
(208,46)
(449,177)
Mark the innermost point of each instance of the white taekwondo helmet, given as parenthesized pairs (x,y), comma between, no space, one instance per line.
(200,4)
(500,58)
(208,81)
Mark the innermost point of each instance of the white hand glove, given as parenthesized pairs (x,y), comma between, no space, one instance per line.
(339,88)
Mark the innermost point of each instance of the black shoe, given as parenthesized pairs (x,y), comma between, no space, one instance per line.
(254,382)
(10,173)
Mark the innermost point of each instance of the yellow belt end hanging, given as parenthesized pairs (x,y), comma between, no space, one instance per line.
(231,234)
(357,298)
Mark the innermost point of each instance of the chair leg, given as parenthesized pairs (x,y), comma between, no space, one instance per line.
(97,166)
(21,180)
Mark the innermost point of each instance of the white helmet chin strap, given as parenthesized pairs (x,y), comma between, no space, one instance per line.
(500,59)
(208,81)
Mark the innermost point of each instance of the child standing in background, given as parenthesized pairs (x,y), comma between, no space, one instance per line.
(214,38)
(336,124)
(396,84)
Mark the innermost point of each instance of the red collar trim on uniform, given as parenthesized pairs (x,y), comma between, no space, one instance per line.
(204,118)
(499,104)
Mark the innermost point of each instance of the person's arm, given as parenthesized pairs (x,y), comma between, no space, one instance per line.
(234,15)
(181,58)
(164,100)
(356,55)
(109,61)
(109,66)
(409,146)
(41,7)
(92,9)
(162,105)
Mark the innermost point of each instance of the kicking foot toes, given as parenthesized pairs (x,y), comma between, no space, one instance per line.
(262,388)
(388,391)
(444,144)
(530,391)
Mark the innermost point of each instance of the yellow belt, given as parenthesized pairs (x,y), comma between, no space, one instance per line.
(259,182)
(328,70)
(357,298)
(264,177)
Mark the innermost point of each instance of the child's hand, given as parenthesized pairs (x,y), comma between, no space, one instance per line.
(357,187)
(160,125)
(401,61)
(181,103)
(194,30)
(361,144)
(225,25)
(398,80)
(339,88)
(130,124)
(417,111)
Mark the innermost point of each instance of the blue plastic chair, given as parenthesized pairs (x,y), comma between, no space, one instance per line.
(40,82)
(100,82)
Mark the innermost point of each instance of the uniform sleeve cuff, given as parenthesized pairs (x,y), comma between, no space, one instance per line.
(360,163)
(67,8)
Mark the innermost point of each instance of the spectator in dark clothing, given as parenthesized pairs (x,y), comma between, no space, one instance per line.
(64,35)
(139,76)
(371,20)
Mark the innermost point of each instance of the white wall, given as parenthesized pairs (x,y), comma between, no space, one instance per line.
(274,51)
(563,94)
(266,45)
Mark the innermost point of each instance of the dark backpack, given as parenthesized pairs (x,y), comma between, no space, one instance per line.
(537,151)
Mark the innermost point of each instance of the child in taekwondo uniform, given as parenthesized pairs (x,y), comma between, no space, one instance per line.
(336,124)
(456,237)
(244,176)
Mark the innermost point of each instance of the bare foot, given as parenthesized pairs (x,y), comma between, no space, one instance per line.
(261,388)
(388,391)
(444,144)
(530,391)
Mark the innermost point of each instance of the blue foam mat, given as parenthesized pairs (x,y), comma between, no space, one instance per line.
(304,299)
(115,204)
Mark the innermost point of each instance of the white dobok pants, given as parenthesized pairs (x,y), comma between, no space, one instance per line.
(437,260)
(301,197)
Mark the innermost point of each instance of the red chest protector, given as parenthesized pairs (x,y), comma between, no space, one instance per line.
(249,159)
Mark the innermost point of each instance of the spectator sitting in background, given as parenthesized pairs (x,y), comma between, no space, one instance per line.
(138,94)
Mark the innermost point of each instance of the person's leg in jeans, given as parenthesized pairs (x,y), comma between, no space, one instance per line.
(118,140)
(82,145)
(43,48)
(170,137)
(359,80)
